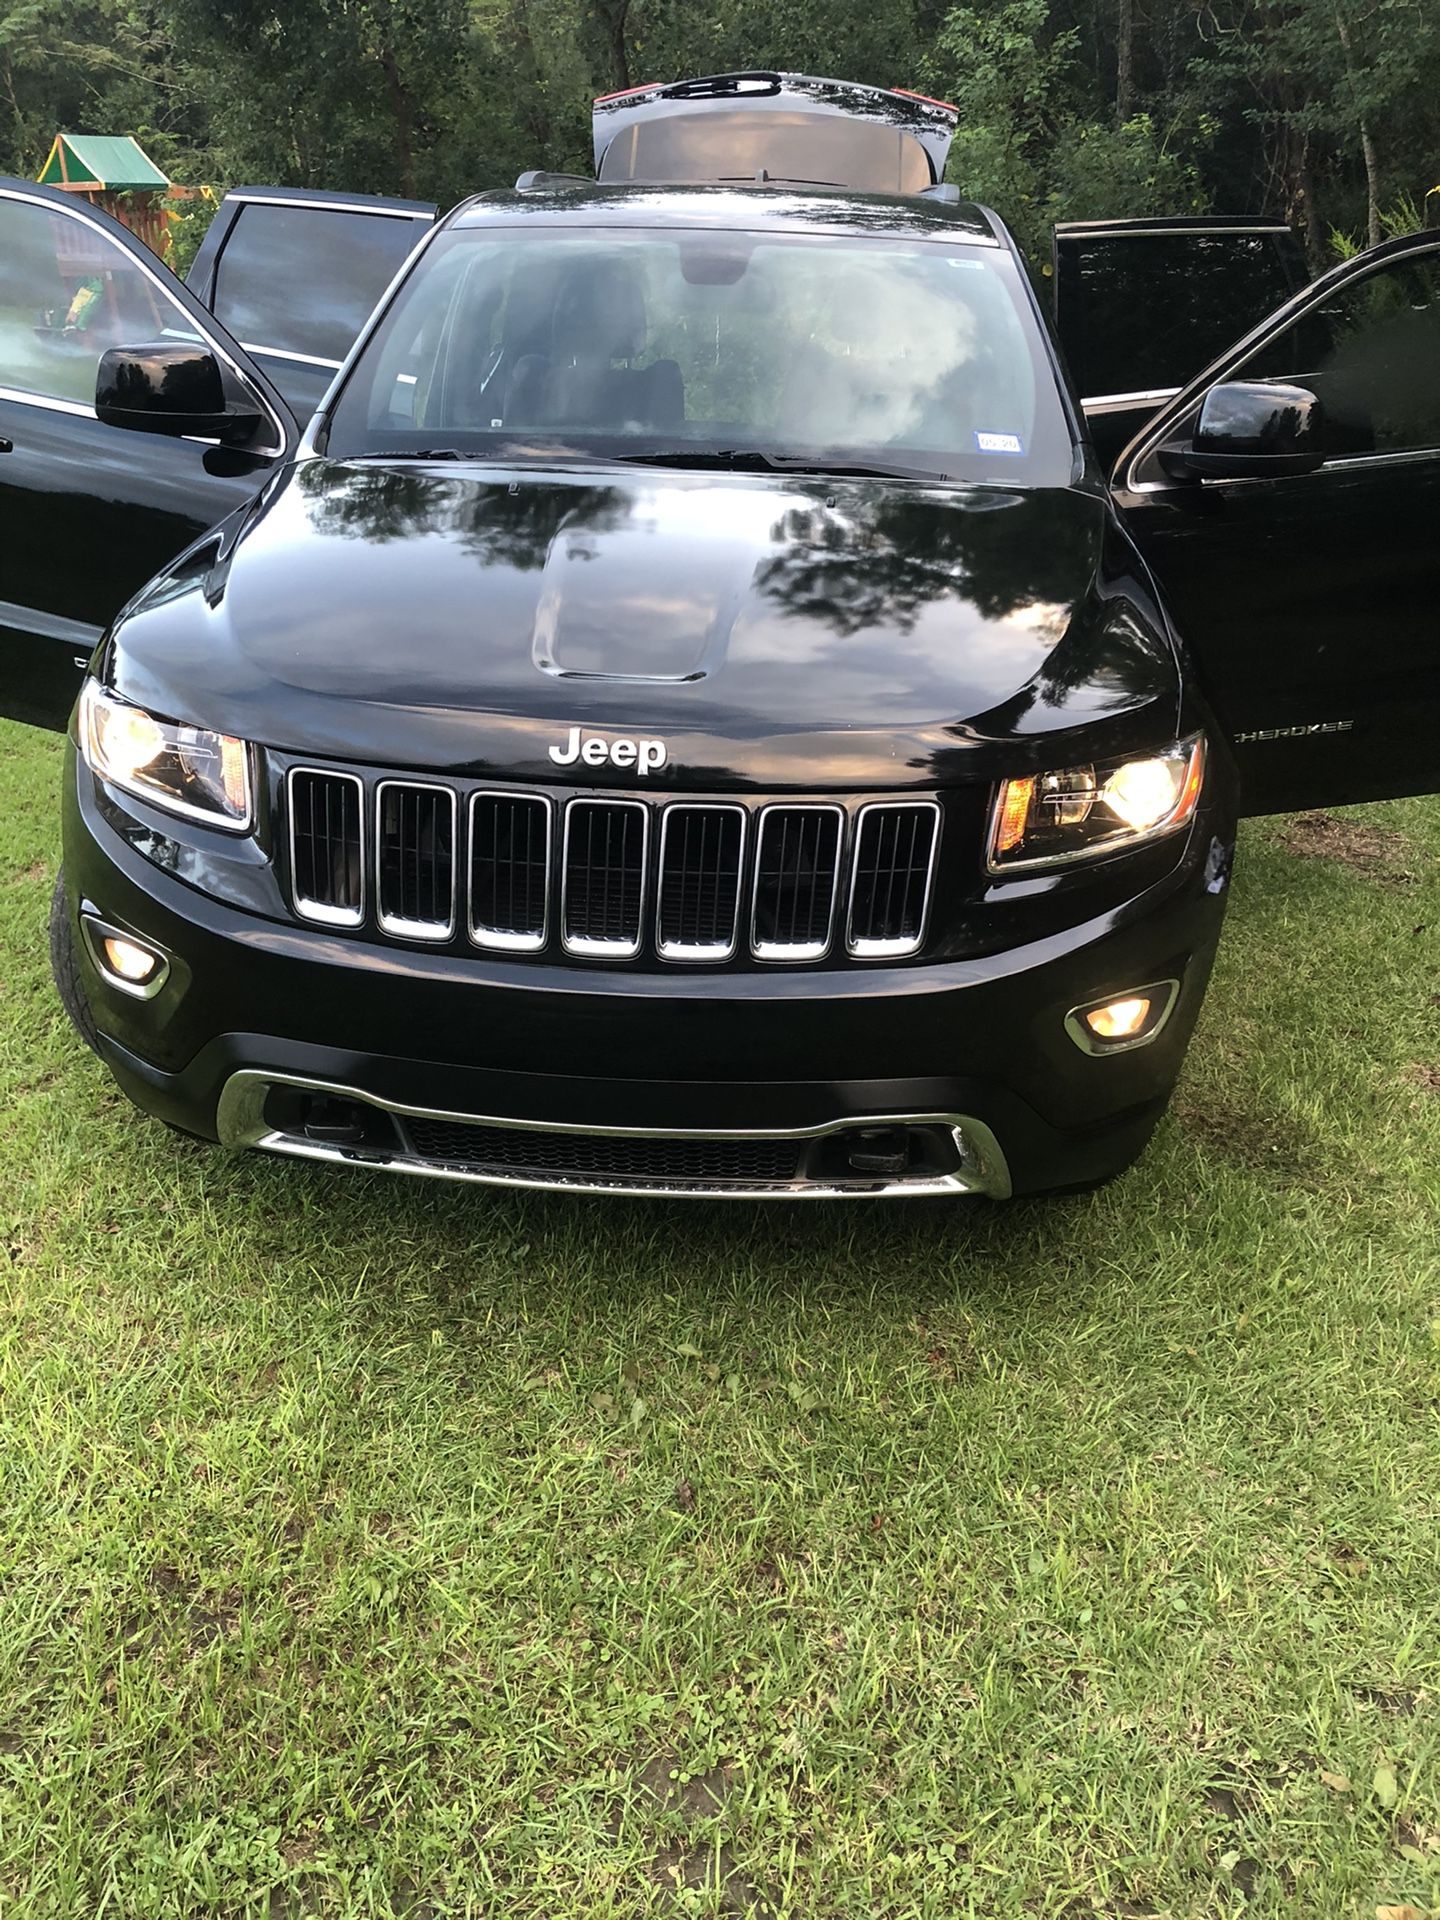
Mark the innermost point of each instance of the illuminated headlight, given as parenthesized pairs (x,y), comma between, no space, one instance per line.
(184,769)
(1080,813)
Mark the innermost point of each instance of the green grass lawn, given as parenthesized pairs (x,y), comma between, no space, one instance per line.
(378,1547)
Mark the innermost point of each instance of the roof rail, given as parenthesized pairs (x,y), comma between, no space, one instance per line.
(536,180)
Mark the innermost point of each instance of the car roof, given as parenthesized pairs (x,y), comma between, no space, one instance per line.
(770,207)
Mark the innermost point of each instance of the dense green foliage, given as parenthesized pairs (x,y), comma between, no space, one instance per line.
(1325,110)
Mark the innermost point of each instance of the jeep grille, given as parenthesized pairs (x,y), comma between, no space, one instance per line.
(688,880)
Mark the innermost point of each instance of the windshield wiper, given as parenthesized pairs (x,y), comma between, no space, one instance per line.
(754,460)
(415,453)
(729,459)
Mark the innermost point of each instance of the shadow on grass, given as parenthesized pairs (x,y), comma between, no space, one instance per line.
(513,1245)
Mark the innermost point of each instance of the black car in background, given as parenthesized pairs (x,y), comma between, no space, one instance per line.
(691,713)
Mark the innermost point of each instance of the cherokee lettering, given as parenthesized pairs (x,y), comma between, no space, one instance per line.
(1294,733)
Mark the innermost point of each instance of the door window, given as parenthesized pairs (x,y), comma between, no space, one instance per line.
(1144,312)
(301,279)
(1371,350)
(67,292)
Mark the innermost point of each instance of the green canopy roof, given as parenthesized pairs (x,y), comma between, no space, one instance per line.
(100,160)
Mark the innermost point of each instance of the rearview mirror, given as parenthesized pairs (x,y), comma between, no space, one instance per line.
(1252,429)
(172,386)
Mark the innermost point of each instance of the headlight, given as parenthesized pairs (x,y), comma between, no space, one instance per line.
(1082,812)
(184,769)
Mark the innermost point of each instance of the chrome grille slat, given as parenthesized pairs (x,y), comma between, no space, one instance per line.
(890,877)
(510,836)
(797,878)
(327,846)
(415,859)
(697,907)
(603,880)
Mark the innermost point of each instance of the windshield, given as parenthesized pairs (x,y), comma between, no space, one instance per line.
(826,350)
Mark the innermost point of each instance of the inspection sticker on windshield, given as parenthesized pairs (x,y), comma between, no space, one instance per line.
(998,443)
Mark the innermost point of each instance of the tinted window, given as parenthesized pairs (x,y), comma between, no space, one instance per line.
(67,292)
(709,144)
(303,280)
(1371,351)
(1141,311)
(922,356)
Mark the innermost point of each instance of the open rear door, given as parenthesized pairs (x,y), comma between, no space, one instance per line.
(295,274)
(773,126)
(1142,305)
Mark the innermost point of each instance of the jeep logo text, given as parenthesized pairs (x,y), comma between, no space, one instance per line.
(644,755)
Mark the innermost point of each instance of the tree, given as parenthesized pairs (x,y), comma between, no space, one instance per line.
(1028,146)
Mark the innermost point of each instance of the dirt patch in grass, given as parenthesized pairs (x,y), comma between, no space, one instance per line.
(1394,1700)
(1377,851)
(688,1862)
(713,1870)
(1422,1075)
(693,1798)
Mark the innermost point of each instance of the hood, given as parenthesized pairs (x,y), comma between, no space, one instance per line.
(772,631)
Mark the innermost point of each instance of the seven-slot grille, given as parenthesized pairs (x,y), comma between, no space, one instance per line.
(790,880)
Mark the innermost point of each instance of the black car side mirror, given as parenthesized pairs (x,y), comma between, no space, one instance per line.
(172,386)
(1252,429)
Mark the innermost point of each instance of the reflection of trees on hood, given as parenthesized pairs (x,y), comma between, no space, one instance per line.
(1112,652)
(864,561)
(999,551)
(515,529)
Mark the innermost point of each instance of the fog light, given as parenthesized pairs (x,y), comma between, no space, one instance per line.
(132,963)
(1119,1019)
(1131,1020)
(129,965)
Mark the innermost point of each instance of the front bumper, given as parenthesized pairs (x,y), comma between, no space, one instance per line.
(943,1078)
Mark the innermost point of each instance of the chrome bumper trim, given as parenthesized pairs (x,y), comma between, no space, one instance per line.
(240,1122)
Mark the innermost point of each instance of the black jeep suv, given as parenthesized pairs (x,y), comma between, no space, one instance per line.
(690,713)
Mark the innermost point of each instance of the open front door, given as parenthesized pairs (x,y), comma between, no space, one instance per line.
(294,274)
(1311,598)
(89,513)
(1142,305)
(773,126)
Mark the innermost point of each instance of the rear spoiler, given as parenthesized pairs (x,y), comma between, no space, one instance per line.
(693,131)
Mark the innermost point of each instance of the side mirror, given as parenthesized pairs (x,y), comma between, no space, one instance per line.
(1253,429)
(171,387)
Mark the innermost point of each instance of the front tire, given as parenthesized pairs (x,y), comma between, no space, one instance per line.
(64,970)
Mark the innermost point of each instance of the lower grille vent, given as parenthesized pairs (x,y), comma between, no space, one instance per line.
(416,860)
(327,854)
(606,1157)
